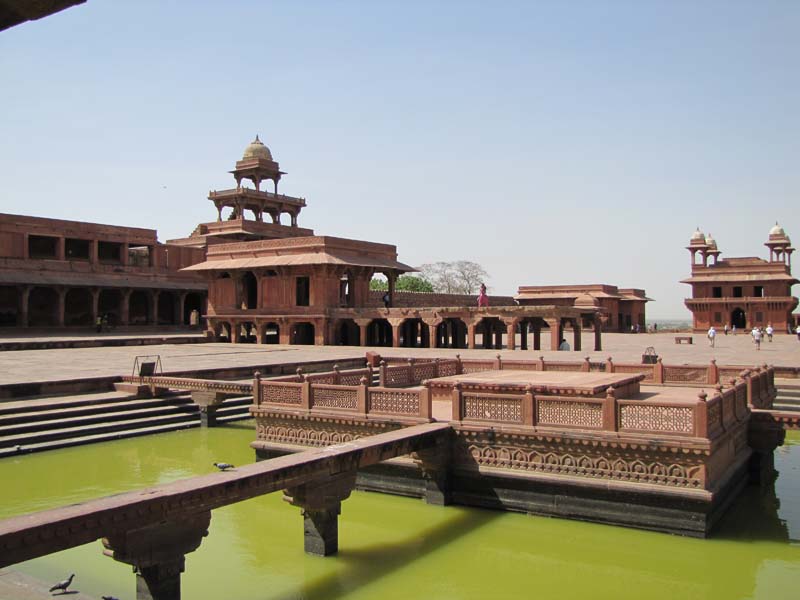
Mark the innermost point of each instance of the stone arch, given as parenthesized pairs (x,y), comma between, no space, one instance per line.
(451,333)
(42,307)
(379,333)
(738,318)
(9,305)
(249,291)
(193,301)
(414,334)
(222,331)
(78,307)
(302,334)
(139,307)
(109,304)
(167,306)
(347,333)
(347,292)
(248,332)
(491,330)
(270,333)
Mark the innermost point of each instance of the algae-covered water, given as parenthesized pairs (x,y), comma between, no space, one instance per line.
(393,547)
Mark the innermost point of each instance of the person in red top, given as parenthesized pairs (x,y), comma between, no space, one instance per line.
(483,299)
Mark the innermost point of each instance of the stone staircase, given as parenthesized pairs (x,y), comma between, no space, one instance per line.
(788,395)
(46,423)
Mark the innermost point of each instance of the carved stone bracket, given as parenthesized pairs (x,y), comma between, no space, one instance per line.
(321,504)
(157,553)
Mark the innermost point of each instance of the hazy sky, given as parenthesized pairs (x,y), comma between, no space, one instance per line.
(551,142)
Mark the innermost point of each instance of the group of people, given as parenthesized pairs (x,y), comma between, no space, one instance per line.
(101,323)
(758,333)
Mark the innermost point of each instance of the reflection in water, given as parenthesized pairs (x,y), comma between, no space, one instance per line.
(393,547)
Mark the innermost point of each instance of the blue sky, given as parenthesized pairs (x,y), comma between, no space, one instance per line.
(551,142)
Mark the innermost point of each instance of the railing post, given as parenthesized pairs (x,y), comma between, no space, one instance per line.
(721,395)
(363,393)
(585,367)
(458,398)
(382,378)
(257,388)
(306,395)
(425,400)
(542,366)
(713,372)
(459,365)
(528,412)
(701,415)
(658,371)
(498,363)
(370,375)
(336,375)
(610,411)
(609,365)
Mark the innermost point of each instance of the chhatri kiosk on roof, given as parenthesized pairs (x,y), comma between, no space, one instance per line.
(270,282)
(744,292)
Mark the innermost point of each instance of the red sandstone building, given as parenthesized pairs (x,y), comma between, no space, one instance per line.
(742,292)
(275,283)
(623,308)
(56,273)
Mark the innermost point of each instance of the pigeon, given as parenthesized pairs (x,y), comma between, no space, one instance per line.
(223,466)
(62,585)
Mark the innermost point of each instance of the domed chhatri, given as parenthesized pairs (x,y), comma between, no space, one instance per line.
(586,300)
(711,242)
(256,149)
(698,237)
(777,230)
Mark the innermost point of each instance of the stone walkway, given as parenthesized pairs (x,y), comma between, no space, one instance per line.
(75,363)
(18,586)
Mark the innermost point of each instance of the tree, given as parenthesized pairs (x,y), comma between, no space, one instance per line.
(404,283)
(459,277)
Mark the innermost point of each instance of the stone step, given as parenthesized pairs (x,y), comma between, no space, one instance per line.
(39,403)
(784,400)
(55,420)
(786,407)
(88,409)
(24,439)
(79,440)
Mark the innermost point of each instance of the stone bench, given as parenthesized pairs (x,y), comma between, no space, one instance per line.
(680,339)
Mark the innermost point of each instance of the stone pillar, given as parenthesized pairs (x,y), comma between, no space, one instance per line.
(61,253)
(208,403)
(431,333)
(537,337)
(598,343)
(24,296)
(498,339)
(555,333)
(154,307)
(62,301)
(511,334)
(180,307)
(284,331)
(95,292)
(124,254)
(436,473)
(391,276)
(235,332)
(157,553)
(523,335)
(576,335)
(125,309)
(321,503)
(362,325)
(471,336)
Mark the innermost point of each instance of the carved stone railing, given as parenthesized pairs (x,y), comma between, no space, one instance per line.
(187,383)
(414,372)
(701,417)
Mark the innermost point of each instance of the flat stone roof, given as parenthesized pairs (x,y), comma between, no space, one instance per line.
(553,382)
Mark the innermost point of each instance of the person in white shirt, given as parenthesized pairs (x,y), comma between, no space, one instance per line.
(712,333)
(563,345)
(770,331)
(756,333)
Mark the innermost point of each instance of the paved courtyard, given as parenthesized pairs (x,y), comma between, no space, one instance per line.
(74,363)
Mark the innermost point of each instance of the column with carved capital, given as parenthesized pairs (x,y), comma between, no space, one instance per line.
(555,333)
(158,553)
(321,504)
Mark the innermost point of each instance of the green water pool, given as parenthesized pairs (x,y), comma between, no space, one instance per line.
(391,547)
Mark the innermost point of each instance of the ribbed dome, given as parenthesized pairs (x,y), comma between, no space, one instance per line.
(698,237)
(777,231)
(711,242)
(256,150)
(586,300)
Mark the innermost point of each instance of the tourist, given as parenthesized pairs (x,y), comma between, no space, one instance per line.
(483,299)
(98,324)
(636,328)
(769,331)
(756,333)
(733,329)
(387,300)
(563,345)
(655,327)
(712,333)
(726,329)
